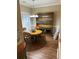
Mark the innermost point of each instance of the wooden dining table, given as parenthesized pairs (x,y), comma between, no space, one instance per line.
(36,32)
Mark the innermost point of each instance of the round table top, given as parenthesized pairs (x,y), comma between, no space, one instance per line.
(37,32)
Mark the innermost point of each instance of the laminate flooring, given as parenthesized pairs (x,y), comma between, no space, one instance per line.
(45,50)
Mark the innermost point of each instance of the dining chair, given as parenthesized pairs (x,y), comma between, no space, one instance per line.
(53,31)
(43,29)
(27,39)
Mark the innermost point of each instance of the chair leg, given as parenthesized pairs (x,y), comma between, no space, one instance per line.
(25,55)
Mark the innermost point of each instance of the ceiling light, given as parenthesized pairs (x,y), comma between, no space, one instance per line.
(34,15)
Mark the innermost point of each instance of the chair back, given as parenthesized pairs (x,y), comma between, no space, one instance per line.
(27,36)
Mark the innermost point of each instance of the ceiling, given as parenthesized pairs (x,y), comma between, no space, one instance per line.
(40,3)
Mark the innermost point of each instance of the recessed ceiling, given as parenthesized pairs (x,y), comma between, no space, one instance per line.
(40,3)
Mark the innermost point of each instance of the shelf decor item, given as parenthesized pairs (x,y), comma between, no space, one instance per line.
(33,30)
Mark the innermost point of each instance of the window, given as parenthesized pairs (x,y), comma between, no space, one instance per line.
(26,23)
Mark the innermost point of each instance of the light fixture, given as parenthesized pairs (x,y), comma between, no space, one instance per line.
(34,15)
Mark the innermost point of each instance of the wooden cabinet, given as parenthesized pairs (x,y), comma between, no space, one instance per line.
(45,18)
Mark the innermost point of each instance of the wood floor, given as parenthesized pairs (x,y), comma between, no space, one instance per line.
(45,50)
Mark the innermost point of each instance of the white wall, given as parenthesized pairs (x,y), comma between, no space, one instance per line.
(25,9)
(53,8)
